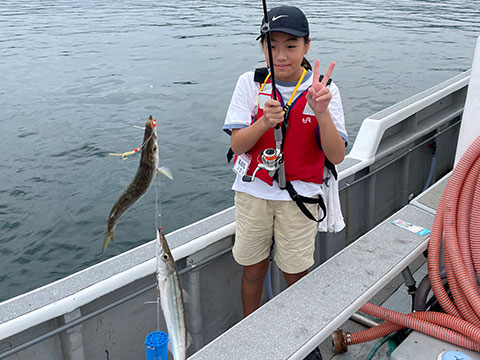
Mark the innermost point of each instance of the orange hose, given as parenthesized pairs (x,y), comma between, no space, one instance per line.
(434,248)
(463,285)
(439,325)
(457,221)
(370,334)
(475,231)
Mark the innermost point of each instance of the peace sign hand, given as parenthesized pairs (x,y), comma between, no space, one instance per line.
(319,95)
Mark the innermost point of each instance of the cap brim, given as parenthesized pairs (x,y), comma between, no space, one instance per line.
(285,31)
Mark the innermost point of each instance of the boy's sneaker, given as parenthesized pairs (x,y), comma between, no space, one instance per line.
(314,355)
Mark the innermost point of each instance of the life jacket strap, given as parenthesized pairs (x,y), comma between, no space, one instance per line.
(230,154)
(328,82)
(260,74)
(302,200)
(330,166)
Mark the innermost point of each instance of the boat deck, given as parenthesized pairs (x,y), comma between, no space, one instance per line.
(305,315)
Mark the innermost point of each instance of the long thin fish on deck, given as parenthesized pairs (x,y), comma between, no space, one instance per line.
(171,298)
(141,182)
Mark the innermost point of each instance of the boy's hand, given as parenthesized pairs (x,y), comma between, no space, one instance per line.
(319,95)
(272,113)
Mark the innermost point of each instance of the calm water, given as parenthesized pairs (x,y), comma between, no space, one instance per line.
(78,76)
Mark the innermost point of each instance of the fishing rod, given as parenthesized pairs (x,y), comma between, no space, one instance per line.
(265,30)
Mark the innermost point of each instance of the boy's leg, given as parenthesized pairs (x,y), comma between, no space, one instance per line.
(294,239)
(292,278)
(253,239)
(252,285)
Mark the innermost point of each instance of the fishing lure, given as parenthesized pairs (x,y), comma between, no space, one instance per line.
(128,153)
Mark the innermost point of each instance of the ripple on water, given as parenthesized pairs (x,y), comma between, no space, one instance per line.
(86,150)
(10,225)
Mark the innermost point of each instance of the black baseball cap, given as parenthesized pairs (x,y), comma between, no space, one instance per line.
(287,19)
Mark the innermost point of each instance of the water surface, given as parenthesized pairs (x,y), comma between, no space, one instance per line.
(77,77)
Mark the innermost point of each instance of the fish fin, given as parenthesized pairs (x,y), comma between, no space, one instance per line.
(185,296)
(165,171)
(170,346)
(189,340)
(107,240)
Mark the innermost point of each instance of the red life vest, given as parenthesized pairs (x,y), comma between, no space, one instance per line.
(304,159)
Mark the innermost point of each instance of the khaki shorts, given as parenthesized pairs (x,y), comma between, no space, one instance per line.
(258,220)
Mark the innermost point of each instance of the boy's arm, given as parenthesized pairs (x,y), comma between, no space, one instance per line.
(243,140)
(319,96)
(333,145)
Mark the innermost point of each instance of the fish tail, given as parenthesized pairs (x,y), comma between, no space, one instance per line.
(107,240)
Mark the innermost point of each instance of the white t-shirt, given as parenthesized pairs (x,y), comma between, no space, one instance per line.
(243,106)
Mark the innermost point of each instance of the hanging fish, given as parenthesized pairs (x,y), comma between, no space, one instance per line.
(144,177)
(171,298)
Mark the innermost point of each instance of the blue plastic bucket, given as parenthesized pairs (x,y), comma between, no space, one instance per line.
(156,344)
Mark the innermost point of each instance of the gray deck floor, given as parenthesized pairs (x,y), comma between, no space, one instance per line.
(395,297)
(291,324)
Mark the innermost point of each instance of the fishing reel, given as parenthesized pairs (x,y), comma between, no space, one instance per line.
(272,160)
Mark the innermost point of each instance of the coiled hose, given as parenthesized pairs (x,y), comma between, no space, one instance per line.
(457,221)
(421,295)
(424,288)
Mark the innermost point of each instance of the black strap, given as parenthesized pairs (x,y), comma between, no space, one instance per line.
(230,154)
(330,166)
(301,200)
(328,82)
(260,74)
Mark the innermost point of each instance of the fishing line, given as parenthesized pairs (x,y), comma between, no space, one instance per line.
(158,224)
(127,153)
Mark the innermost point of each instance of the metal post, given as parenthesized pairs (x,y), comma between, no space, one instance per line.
(72,339)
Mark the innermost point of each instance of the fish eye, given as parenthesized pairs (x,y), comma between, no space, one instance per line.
(165,257)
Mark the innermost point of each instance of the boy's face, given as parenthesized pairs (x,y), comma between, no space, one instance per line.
(288,52)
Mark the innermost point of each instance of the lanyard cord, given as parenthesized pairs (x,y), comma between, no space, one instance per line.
(294,90)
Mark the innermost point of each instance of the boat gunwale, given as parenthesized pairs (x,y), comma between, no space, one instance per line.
(67,294)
